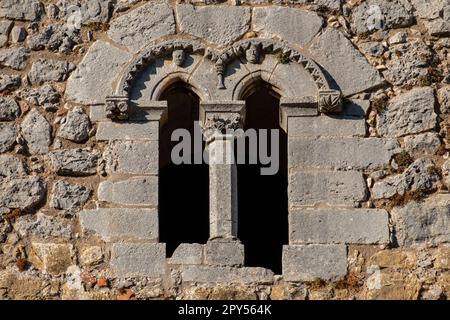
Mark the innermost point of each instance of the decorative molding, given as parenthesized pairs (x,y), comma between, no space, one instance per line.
(117,107)
(330,101)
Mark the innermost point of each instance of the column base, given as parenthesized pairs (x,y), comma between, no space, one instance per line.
(224,252)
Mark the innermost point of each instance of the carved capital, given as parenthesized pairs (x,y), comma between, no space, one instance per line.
(117,107)
(221,124)
(330,101)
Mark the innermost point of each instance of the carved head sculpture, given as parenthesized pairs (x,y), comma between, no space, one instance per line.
(178,57)
(252,54)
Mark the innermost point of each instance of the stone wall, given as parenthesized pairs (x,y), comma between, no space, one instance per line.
(369,208)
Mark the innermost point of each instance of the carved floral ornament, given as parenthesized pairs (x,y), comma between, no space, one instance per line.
(250,50)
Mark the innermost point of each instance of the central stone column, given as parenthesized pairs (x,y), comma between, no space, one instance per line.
(220,120)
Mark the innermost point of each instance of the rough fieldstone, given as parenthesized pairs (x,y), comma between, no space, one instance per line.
(132,157)
(148,130)
(42,227)
(340,226)
(91,256)
(409,61)
(356,153)
(5,28)
(55,38)
(15,58)
(23,193)
(9,82)
(220,274)
(388,187)
(74,162)
(428,9)
(141,26)
(9,109)
(44,96)
(409,113)
(66,196)
(52,258)
(290,24)
(345,64)
(113,224)
(133,191)
(309,262)
(37,133)
(11,166)
(349,123)
(399,37)
(21,9)
(423,222)
(217,24)
(437,15)
(224,253)
(138,259)
(444,99)
(422,144)
(446,173)
(375,49)
(8,135)
(187,253)
(327,187)
(374,15)
(93,11)
(46,70)
(18,34)
(75,126)
(92,81)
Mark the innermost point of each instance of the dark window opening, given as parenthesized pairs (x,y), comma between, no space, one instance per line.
(183,189)
(262,199)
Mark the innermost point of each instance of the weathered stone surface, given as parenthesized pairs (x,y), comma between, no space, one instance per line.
(42,227)
(422,144)
(346,65)
(66,196)
(141,26)
(132,157)
(23,193)
(133,191)
(423,222)
(444,99)
(52,258)
(91,256)
(74,162)
(374,15)
(400,259)
(219,25)
(8,135)
(46,97)
(350,123)
(342,188)
(21,9)
(9,109)
(92,81)
(9,82)
(5,28)
(360,226)
(88,12)
(355,153)
(113,224)
(437,15)
(55,38)
(442,258)
(15,58)
(18,34)
(224,253)
(375,49)
(11,166)
(138,259)
(128,131)
(446,173)
(410,61)
(46,70)
(290,24)
(392,286)
(411,112)
(75,126)
(37,133)
(309,262)
(187,253)
(220,274)
(419,176)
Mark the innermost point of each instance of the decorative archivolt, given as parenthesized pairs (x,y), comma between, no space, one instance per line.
(252,50)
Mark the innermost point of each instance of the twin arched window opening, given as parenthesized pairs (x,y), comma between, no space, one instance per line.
(184,189)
